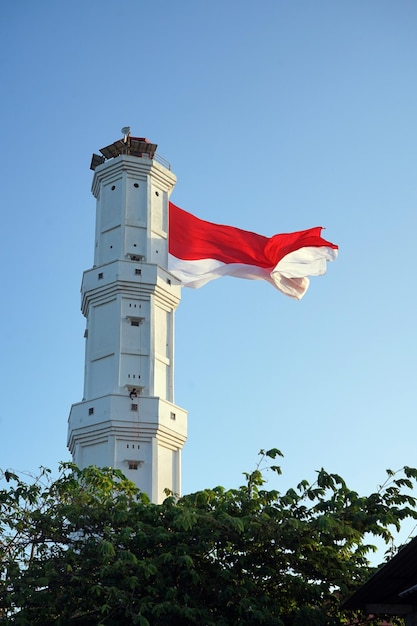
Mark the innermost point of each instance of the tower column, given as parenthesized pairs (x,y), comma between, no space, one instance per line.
(127,418)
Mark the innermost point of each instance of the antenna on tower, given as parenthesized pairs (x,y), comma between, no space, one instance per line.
(126,132)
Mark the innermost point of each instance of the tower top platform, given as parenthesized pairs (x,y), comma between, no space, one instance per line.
(133,146)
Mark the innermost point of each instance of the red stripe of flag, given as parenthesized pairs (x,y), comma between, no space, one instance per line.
(191,239)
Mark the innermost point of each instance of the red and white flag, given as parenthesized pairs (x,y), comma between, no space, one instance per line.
(200,251)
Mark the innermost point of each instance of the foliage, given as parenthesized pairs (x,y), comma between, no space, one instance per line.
(90,549)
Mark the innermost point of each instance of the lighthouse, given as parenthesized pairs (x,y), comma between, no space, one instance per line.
(127,418)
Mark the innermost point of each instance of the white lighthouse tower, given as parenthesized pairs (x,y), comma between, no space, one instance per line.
(127,418)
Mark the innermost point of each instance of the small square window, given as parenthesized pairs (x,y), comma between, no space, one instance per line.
(100,276)
(133,466)
(91,410)
(173,416)
(138,271)
(133,407)
(135,321)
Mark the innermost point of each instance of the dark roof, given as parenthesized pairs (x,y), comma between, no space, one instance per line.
(395,583)
(133,146)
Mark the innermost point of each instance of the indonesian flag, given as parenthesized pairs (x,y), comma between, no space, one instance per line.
(200,251)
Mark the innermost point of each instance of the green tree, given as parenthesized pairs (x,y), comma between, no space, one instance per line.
(90,549)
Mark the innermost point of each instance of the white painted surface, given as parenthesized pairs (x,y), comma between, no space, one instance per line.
(129,299)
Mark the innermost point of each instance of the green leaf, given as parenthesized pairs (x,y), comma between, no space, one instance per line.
(273,453)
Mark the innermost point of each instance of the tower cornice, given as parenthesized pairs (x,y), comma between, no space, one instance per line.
(118,277)
(133,166)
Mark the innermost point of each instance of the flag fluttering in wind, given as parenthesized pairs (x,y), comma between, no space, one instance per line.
(200,251)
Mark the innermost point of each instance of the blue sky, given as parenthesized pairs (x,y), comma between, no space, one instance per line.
(276,116)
